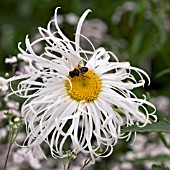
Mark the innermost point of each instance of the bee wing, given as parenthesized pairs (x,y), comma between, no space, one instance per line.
(81,64)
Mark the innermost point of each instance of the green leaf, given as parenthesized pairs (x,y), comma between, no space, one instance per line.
(163,139)
(162,73)
(159,158)
(159,167)
(154,127)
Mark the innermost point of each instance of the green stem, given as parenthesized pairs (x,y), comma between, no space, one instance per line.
(15,136)
(9,148)
(86,162)
(64,163)
(12,140)
(69,164)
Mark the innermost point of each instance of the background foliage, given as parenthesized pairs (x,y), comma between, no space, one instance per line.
(138,31)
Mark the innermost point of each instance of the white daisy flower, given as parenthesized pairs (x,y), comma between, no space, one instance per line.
(73,107)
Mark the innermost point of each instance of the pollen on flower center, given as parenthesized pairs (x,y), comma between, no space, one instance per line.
(85,87)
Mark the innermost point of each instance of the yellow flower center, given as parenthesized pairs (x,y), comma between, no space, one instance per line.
(85,87)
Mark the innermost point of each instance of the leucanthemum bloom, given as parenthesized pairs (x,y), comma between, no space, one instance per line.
(72,109)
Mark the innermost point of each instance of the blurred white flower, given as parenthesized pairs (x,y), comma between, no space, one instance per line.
(80,106)
(129,5)
(72,19)
(3,84)
(2,115)
(12,105)
(126,6)
(139,144)
(146,149)
(3,133)
(11,60)
(20,137)
(94,30)
(162,103)
(126,166)
(19,157)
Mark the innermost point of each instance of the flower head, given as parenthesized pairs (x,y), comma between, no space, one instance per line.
(73,97)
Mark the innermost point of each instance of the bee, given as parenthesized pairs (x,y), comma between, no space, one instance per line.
(78,71)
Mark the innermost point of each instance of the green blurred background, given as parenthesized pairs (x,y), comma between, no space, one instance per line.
(138,31)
